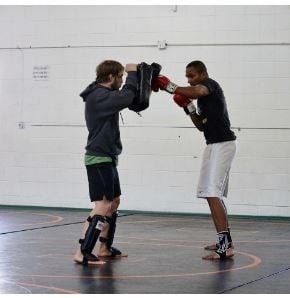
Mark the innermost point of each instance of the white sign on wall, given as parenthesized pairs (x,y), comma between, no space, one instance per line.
(40,73)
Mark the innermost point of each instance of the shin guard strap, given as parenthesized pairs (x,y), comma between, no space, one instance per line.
(103,239)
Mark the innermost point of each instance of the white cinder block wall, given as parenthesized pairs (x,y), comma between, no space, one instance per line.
(43,134)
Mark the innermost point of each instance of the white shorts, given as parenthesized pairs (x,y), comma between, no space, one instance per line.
(215,168)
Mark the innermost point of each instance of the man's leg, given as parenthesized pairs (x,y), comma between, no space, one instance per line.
(216,219)
(230,238)
(92,229)
(218,213)
(220,219)
(107,236)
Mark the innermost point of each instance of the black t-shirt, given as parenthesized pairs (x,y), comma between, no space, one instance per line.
(213,107)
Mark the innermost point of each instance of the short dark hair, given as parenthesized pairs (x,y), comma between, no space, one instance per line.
(106,68)
(198,66)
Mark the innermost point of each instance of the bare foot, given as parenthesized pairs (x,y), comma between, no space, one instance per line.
(79,258)
(215,256)
(112,253)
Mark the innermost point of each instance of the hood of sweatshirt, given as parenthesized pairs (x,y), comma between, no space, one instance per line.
(93,86)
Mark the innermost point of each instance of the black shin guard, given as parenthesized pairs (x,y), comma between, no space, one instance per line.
(92,234)
(110,237)
(112,229)
(223,244)
(145,74)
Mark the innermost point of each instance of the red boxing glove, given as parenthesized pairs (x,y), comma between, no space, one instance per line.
(181,100)
(185,103)
(164,83)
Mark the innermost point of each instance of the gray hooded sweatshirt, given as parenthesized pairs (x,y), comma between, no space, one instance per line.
(102,107)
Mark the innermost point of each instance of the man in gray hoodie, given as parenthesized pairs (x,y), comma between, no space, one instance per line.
(103,102)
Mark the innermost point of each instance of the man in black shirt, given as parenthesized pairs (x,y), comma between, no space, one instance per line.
(212,118)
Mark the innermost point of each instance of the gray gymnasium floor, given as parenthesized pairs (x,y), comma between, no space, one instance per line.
(165,252)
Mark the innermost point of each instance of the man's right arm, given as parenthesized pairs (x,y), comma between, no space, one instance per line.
(121,99)
(131,80)
(197,120)
(189,109)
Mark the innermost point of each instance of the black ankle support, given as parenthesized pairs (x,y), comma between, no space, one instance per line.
(229,236)
(223,244)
